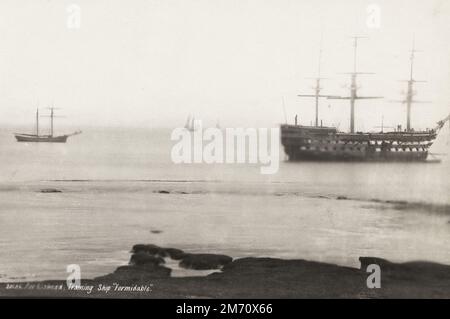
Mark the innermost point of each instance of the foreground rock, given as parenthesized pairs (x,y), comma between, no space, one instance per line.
(151,253)
(147,260)
(142,258)
(175,254)
(145,264)
(153,250)
(204,261)
(262,278)
(50,190)
(135,274)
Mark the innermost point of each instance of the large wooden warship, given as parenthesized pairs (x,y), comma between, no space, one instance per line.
(322,143)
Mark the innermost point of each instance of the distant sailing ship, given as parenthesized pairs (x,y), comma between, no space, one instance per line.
(327,143)
(38,138)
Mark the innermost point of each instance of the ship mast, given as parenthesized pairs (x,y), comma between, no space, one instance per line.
(353,87)
(410,92)
(37,121)
(317,88)
(51,122)
(52,116)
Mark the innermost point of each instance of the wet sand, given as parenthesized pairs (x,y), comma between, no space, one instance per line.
(148,277)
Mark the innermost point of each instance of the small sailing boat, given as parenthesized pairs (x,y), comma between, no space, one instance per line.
(37,138)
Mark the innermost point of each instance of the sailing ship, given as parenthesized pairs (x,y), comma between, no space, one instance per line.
(39,138)
(322,143)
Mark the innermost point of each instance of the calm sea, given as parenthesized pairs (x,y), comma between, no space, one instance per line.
(111,182)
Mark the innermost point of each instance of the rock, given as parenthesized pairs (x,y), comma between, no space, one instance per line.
(409,270)
(143,258)
(175,254)
(150,249)
(342,198)
(322,197)
(151,271)
(152,254)
(50,190)
(366,261)
(156,231)
(397,202)
(157,251)
(204,261)
(139,274)
(253,266)
(163,192)
(139,247)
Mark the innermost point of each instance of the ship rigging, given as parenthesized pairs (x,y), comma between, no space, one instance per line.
(49,138)
(327,143)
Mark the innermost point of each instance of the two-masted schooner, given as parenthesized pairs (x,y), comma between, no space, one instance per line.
(317,142)
(39,138)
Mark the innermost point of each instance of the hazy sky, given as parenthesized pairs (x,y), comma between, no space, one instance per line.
(152,62)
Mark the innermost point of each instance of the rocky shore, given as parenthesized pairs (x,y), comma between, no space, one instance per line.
(148,276)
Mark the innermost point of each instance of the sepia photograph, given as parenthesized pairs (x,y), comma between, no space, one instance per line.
(196,150)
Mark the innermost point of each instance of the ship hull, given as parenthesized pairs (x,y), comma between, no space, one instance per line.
(294,155)
(306,143)
(41,139)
